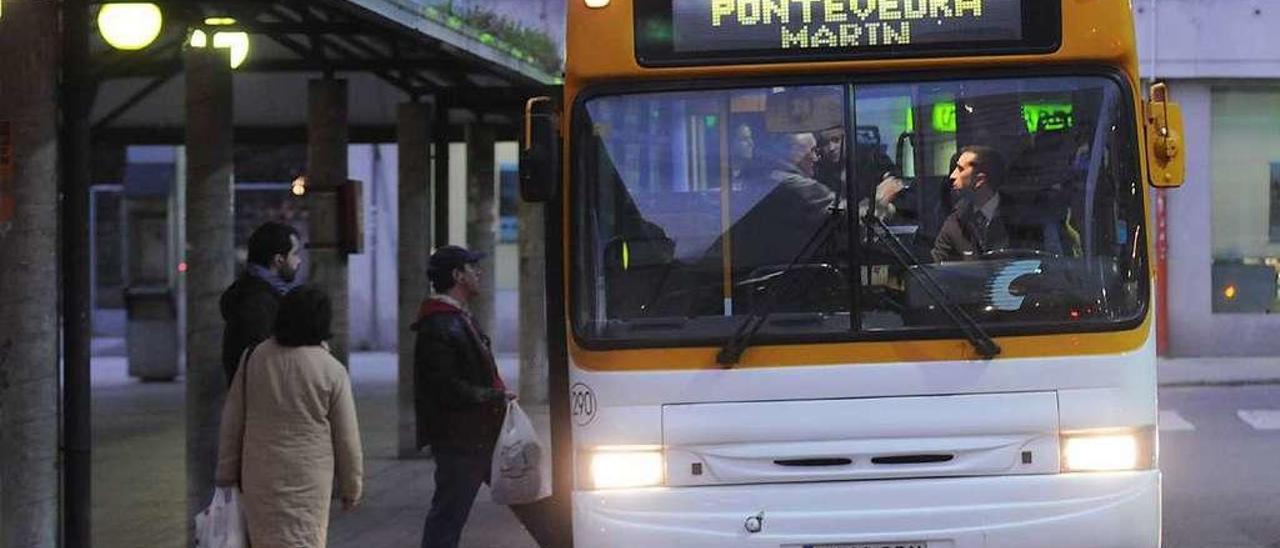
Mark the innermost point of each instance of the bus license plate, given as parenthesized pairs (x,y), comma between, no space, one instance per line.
(912,544)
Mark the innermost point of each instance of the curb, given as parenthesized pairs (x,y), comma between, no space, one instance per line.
(1225,382)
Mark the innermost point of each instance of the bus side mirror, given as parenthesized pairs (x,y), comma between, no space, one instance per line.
(1166,162)
(539,151)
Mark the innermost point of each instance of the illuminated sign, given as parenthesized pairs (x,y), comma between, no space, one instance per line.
(1038,117)
(841,24)
(1047,116)
(693,31)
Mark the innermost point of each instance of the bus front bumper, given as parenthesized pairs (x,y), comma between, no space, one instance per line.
(1096,510)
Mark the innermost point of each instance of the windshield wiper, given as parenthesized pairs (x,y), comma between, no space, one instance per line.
(981,341)
(782,284)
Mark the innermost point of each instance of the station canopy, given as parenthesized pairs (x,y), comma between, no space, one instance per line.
(389,51)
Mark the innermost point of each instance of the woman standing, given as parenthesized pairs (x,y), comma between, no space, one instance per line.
(289,423)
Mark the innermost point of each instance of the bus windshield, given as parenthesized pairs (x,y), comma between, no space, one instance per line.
(695,209)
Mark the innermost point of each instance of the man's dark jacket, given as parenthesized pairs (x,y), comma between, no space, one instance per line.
(963,236)
(458,397)
(249,309)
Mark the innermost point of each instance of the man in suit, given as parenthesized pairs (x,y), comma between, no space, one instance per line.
(976,225)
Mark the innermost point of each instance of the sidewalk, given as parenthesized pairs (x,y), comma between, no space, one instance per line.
(139,474)
(1227,371)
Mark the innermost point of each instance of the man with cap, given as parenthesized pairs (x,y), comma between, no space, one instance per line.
(459,398)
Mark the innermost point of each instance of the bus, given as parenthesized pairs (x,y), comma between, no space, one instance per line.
(853,274)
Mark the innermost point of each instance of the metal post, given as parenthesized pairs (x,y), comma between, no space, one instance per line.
(77,99)
(1162,274)
(326,173)
(210,245)
(413,244)
(482,218)
(29,468)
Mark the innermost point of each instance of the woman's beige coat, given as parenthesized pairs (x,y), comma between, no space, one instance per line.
(301,428)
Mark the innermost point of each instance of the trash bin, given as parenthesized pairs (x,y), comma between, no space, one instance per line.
(152,332)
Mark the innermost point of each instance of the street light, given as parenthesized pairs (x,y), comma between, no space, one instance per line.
(236,41)
(129,26)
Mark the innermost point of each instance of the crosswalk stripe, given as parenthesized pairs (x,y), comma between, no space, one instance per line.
(1260,419)
(1171,421)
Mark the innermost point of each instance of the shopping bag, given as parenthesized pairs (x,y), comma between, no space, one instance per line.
(521,468)
(222,525)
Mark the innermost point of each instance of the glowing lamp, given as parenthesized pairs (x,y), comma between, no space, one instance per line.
(614,467)
(597,3)
(1229,292)
(130,26)
(236,41)
(299,186)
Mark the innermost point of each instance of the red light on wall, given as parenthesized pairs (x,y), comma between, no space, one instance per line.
(182,267)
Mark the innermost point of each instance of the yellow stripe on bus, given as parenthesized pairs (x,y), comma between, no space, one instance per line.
(1036,346)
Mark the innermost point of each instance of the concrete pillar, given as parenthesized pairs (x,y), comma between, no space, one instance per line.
(533,302)
(29,482)
(210,254)
(413,248)
(482,218)
(440,151)
(326,172)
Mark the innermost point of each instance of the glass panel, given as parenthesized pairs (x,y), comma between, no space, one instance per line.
(1022,202)
(1246,199)
(693,205)
(696,211)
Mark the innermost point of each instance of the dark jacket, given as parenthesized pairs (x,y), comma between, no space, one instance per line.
(459,399)
(780,222)
(964,237)
(249,309)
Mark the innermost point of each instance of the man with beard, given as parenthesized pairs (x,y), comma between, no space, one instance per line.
(978,223)
(249,305)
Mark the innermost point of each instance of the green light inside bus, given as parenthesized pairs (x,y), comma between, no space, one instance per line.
(1053,116)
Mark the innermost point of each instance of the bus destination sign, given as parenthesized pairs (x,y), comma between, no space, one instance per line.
(702,25)
(699,31)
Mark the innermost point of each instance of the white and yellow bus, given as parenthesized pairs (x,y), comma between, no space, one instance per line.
(776,316)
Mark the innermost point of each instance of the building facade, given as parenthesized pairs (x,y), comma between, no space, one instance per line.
(1221,60)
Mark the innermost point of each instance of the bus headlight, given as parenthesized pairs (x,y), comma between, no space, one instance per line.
(1107,450)
(619,466)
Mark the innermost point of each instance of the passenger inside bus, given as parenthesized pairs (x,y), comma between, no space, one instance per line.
(783,205)
(830,167)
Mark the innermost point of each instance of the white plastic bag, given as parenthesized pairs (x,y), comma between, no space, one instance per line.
(520,472)
(221,525)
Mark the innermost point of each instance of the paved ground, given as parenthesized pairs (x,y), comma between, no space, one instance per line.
(139,480)
(1220,484)
(1218,447)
